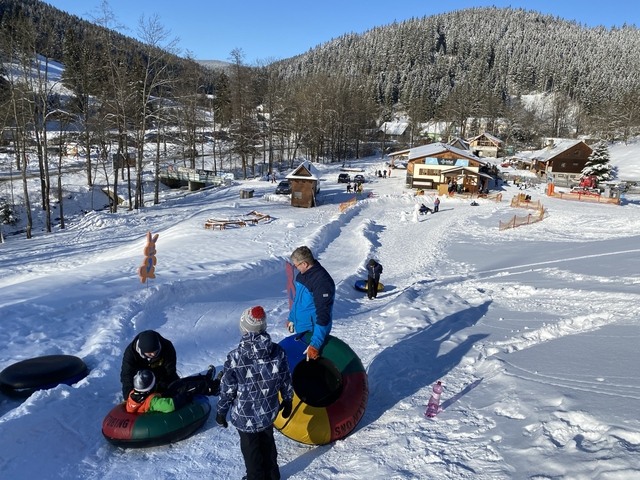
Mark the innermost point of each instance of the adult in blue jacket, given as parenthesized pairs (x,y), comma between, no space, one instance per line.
(312,309)
(253,376)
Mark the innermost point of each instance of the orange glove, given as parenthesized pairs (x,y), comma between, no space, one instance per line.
(312,353)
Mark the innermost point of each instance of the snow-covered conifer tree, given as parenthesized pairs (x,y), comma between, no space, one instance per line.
(598,163)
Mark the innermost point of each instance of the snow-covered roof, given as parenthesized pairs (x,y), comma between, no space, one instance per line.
(304,165)
(438,128)
(461,141)
(492,138)
(434,149)
(545,154)
(396,127)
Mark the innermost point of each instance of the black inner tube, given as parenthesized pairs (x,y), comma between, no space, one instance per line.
(318,383)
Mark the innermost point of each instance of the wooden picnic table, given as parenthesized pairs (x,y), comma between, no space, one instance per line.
(252,218)
(223,224)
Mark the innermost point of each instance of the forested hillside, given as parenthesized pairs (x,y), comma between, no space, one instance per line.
(474,62)
(470,63)
(53,29)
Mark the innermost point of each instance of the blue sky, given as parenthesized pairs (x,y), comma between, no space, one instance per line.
(268,30)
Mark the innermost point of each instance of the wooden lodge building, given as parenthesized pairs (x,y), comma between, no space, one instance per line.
(436,165)
(561,161)
(486,145)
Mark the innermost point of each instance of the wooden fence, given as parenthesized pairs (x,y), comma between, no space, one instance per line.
(520,201)
(349,203)
(585,197)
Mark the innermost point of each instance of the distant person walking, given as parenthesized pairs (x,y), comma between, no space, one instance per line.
(374,270)
(436,205)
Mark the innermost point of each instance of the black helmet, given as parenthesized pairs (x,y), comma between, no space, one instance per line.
(144,381)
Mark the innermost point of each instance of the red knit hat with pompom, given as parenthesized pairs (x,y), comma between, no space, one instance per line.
(253,320)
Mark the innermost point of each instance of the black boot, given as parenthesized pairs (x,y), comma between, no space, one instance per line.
(213,384)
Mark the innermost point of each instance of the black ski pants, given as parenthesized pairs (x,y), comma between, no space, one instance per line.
(260,455)
(372,286)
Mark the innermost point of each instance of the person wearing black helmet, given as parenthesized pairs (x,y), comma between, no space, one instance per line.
(149,351)
(144,398)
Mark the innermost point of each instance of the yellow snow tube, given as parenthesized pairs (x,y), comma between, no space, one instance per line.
(330,393)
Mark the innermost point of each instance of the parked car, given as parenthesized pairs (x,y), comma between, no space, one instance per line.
(359,179)
(283,188)
(344,178)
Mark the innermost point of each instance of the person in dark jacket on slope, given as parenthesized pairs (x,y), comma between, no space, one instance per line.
(374,270)
(312,309)
(149,351)
(253,375)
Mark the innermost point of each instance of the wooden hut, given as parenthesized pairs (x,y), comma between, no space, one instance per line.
(304,186)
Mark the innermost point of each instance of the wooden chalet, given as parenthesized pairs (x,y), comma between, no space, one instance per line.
(305,185)
(486,145)
(397,131)
(561,161)
(435,165)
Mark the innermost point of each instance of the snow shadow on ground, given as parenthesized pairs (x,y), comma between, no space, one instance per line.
(416,362)
(7,403)
(302,461)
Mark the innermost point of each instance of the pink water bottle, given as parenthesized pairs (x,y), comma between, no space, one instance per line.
(434,401)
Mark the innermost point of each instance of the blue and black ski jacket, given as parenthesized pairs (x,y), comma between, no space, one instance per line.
(254,373)
(312,309)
